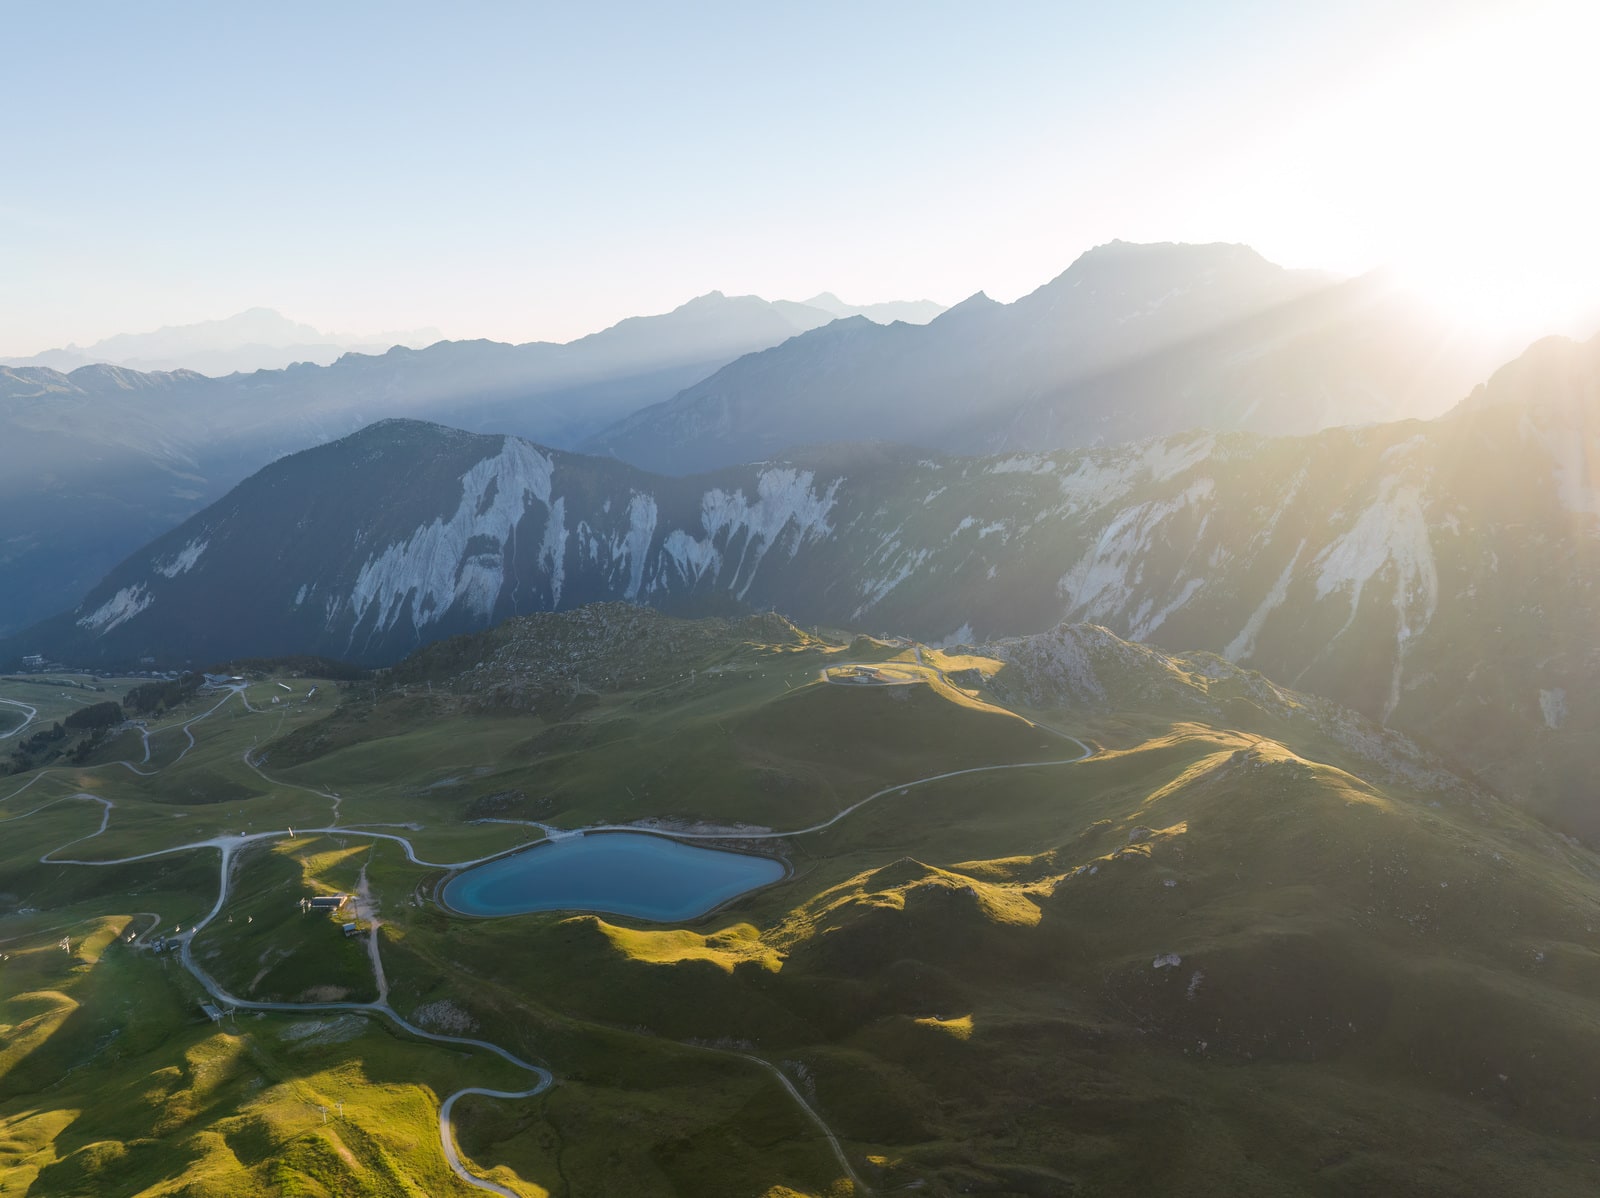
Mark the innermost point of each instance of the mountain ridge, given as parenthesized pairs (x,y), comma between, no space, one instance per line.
(254,339)
(1129,341)
(1352,563)
(88,478)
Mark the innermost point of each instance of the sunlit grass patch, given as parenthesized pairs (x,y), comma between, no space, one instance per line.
(725,948)
(959,1027)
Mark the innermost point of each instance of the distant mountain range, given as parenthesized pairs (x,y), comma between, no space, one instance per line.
(1441,576)
(1130,341)
(264,339)
(96,462)
(258,339)
(908,311)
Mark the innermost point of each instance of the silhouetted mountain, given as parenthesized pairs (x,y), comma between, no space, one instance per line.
(1555,374)
(258,339)
(910,311)
(1131,341)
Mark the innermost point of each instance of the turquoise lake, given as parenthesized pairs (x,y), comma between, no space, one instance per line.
(615,873)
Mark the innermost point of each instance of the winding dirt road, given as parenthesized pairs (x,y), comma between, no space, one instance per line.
(228,847)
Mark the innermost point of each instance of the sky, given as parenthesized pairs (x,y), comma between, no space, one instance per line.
(522,171)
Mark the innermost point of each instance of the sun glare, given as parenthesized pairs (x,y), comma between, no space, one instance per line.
(1476,152)
(1501,292)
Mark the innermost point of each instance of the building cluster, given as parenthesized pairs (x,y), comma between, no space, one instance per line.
(861,675)
(332,904)
(38,663)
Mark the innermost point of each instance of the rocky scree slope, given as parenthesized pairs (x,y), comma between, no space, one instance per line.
(1437,576)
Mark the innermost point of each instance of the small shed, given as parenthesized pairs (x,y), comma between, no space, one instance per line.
(350,929)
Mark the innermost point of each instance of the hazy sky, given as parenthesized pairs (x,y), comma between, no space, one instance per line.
(520,171)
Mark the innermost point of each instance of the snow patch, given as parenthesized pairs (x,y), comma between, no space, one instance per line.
(1144,624)
(787,506)
(185,559)
(1393,531)
(1023,463)
(873,590)
(695,557)
(1164,460)
(1102,582)
(1243,645)
(1553,706)
(553,549)
(434,567)
(1094,484)
(635,543)
(1104,476)
(119,609)
(1400,451)
(1571,455)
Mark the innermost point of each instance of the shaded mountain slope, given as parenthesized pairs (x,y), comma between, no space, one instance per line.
(96,462)
(1131,341)
(1437,576)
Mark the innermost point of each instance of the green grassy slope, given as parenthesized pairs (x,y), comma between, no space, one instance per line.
(1065,1007)
(1245,949)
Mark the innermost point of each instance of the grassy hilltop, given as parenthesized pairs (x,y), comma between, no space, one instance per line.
(1251,946)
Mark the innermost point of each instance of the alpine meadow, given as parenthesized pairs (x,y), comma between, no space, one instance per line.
(1105,709)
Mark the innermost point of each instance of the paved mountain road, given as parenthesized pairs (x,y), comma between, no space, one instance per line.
(229,846)
(33,714)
